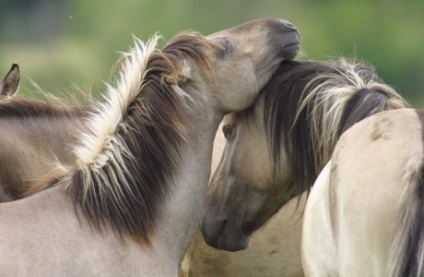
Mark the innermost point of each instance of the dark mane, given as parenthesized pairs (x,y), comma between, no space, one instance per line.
(363,104)
(308,105)
(125,184)
(22,107)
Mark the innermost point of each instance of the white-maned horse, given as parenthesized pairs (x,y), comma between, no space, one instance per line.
(35,148)
(133,204)
(365,213)
(32,147)
(276,149)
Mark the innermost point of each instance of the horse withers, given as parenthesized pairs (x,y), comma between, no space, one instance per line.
(276,148)
(132,204)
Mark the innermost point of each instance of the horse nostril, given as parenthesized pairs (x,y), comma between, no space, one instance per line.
(249,227)
(212,230)
(289,25)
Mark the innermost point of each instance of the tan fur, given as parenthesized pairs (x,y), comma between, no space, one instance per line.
(309,114)
(113,177)
(36,140)
(273,250)
(251,184)
(356,220)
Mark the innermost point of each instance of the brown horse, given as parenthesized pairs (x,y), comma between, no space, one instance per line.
(134,200)
(276,149)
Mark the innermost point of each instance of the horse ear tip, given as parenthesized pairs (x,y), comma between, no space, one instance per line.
(15,66)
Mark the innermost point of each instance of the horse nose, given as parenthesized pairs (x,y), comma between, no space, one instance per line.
(288,41)
(212,230)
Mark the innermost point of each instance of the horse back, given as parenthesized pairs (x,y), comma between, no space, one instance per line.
(31,147)
(366,187)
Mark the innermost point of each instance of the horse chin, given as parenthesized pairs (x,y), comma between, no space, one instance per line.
(220,236)
(290,52)
(232,245)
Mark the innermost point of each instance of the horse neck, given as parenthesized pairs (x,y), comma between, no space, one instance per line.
(33,147)
(52,135)
(182,210)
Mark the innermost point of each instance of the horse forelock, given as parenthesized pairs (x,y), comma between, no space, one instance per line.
(130,153)
(308,104)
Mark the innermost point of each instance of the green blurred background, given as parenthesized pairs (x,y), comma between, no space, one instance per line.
(60,43)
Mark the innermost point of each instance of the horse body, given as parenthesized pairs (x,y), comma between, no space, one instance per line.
(47,234)
(133,203)
(276,149)
(359,219)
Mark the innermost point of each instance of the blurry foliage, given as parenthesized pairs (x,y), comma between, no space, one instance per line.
(59,43)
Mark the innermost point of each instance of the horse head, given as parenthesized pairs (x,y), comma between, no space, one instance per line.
(249,55)
(275,149)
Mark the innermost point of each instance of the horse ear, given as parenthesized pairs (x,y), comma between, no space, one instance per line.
(9,85)
(171,80)
(179,78)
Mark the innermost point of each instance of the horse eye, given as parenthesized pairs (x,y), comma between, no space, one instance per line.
(227,130)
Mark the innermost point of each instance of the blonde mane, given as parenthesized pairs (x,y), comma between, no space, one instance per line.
(130,153)
(95,149)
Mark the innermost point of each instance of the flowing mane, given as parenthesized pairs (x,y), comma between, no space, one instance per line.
(308,105)
(129,156)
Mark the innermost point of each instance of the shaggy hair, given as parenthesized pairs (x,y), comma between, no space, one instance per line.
(308,105)
(130,154)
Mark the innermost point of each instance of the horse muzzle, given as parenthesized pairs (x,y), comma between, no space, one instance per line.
(219,234)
